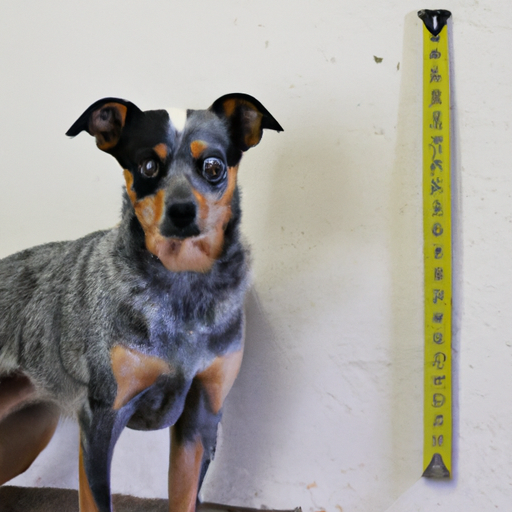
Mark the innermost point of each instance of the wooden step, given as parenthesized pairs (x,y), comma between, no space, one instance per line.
(48,499)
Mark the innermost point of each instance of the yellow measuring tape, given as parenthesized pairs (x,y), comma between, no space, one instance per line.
(437,451)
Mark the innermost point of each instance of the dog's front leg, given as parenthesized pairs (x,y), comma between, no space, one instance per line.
(194,436)
(184,470)
(100,428)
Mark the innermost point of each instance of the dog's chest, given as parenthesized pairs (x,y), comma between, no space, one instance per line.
(184,333)
(152,385)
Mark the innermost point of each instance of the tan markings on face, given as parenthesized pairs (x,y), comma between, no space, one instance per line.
(202,206)
(149,211)
(197,147)
(184,469)
(219,377)
(134,372)
(128,178)
(217,213)
(161,151)
(85,497)
(198,254)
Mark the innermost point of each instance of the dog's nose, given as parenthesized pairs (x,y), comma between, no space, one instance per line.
(180,220)
(182,214)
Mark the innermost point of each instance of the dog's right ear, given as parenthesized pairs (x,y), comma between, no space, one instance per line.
(105,120)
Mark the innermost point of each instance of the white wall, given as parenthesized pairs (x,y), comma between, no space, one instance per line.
(327,412)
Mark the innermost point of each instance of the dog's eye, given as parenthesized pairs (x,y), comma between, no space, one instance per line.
(149,168)
(214,170)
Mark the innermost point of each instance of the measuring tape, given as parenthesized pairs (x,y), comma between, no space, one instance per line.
(437,451)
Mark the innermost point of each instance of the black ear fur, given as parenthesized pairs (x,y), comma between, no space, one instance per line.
(105,120)
(247,118)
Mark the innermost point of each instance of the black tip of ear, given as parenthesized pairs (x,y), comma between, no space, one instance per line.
(82,123)
(268,121)
(78,126)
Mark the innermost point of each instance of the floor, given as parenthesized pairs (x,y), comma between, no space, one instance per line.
(45,499)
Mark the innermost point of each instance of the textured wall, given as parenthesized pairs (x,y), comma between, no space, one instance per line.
(327,412)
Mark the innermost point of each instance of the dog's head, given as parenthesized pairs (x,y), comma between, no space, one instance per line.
(180,173)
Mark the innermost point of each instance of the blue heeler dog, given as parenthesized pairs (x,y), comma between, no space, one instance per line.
(140,325)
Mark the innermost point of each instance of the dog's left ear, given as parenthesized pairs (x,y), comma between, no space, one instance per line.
(105,120)
(247,118)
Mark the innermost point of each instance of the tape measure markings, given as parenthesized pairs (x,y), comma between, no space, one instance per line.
(437,449)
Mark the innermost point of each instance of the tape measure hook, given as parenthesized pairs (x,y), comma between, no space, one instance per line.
(434,20)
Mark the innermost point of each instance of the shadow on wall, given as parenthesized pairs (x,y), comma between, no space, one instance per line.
(250,414)
(407,267)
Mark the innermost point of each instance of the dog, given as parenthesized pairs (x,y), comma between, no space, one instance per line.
(140,325)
